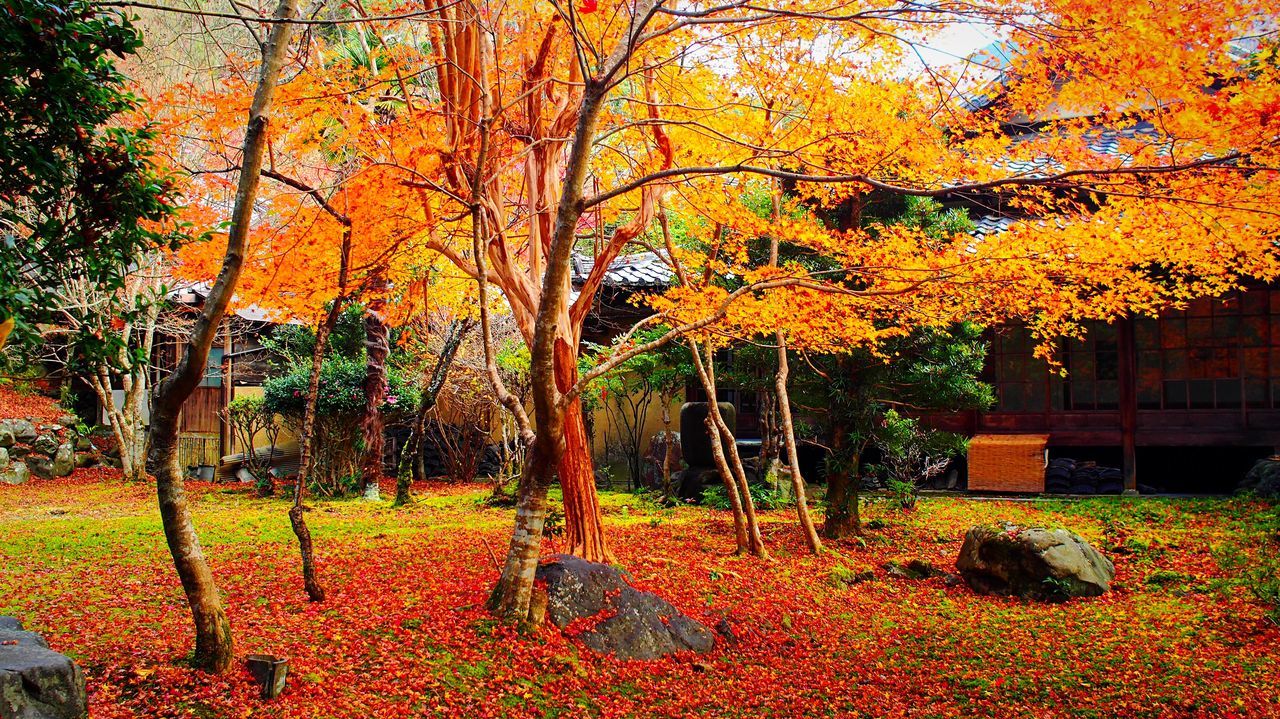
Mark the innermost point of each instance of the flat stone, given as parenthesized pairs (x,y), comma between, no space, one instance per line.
(620,619)
(21,429)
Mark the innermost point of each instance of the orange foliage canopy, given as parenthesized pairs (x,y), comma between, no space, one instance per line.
(404,127)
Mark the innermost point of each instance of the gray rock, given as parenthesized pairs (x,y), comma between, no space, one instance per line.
(1263,479)
(21,429)
(631,624)
(1037,563)
(68,420)
(40,466)
(64,460)
(45,444)
(6,436)
(15,473)
(83,444)
(36,682)
(86,459)
(4,458)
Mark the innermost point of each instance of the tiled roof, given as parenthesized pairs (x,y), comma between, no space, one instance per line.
(637,271)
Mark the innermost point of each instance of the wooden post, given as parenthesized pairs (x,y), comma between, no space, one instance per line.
(1128,376)
(228,394)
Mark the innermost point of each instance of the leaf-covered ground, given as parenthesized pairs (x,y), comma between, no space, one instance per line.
(403,632)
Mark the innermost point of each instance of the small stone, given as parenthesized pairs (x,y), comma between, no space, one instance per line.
(46,444)
(83,444)
(725,629)
(6,437)
(913,569)
(86,459)
(4,458)
(68,420)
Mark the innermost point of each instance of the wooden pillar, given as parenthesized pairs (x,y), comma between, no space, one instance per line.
(1128,376)
(224,427)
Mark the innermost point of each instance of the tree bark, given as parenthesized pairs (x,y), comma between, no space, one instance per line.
(214,648)
(584,533)
(843,518)
(377,347)
(789,439)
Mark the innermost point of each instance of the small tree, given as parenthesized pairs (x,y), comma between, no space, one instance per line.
(911,454)
(248,418)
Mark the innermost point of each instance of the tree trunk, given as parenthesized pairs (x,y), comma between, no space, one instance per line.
(511,595)
(214,647)
(584,534)
(411,461)
(789,439)
(306,439)
(377,347)
(843,518)
(732,473)
(214,650)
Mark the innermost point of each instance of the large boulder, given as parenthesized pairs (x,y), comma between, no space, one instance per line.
(15,473)
(617,618)
(1263,479)
(1037,563)
(36,682)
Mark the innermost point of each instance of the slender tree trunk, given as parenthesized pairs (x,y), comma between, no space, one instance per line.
(214,649)
(306,438)
(789,439)
(411,461)
(733,475)
(377,347)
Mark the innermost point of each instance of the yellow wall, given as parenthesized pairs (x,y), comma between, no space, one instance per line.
(604,426)
(286,440)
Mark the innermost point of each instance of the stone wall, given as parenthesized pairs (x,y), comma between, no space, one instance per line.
(31,447)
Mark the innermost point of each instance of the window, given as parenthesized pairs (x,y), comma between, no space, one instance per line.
(213,369)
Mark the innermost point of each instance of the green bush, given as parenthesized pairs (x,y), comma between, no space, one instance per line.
(763,496)
(341,389)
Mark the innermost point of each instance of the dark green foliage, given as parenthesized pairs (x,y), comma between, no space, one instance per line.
(292,345)
(765,498)
(78,196)
(341,390)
